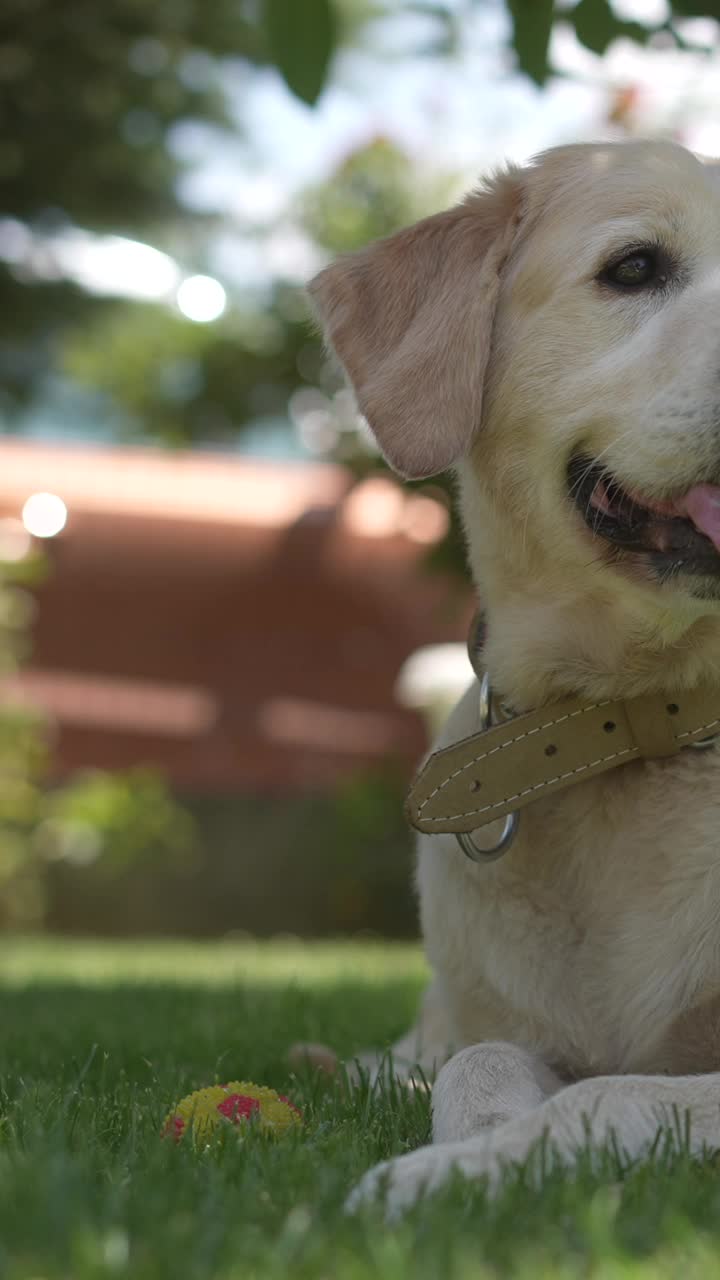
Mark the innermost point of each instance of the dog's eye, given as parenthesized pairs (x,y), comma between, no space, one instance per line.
(635,270)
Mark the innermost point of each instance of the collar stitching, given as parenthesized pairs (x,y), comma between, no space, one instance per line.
(549,724)
(538,786)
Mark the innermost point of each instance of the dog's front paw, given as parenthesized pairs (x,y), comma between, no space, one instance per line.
(400,1183)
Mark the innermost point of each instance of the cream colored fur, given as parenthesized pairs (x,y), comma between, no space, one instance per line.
(588,958)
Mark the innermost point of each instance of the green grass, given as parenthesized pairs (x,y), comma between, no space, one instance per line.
(97,1041)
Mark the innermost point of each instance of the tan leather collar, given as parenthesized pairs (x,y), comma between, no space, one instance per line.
(504,768)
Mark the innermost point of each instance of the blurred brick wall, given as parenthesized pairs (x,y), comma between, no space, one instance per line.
(240,624)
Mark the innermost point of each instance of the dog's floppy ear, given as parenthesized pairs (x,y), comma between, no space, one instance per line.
(411,320)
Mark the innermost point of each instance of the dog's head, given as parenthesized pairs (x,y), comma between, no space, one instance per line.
(556,338)
(561,325)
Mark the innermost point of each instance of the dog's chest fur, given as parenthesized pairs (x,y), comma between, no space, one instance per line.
(596,939)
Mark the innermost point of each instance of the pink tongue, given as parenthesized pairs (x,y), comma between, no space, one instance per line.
(702,505)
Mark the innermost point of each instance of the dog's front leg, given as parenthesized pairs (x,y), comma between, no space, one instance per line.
(480,1088)
(628,1111)
(485,1085)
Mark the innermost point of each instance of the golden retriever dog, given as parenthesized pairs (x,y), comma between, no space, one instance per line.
(555,340)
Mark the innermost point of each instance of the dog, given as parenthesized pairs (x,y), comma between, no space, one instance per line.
(555,341)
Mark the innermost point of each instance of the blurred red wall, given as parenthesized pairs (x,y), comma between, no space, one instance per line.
(238,623)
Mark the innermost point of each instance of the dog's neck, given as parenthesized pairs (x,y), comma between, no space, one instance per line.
(551,633)
(537,651)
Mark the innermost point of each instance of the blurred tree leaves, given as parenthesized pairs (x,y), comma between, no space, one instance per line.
(108,819)
(696,8)
(112,819)
(300,41)
(596,25)
(299,33)
(532,25)
(184,383)
(94,99)
(88,94)
(187,383)
(371,194)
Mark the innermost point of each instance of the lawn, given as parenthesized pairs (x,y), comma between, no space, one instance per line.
(99,1039)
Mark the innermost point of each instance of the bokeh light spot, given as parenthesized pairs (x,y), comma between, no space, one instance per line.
(44,515)
(201,298)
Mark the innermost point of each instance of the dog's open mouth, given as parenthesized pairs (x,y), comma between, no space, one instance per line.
(678,535)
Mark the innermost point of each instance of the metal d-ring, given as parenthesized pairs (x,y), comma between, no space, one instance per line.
(467,839)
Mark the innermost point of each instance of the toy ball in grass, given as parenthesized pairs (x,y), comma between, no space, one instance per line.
(206,1111)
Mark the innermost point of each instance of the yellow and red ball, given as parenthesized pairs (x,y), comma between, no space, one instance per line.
(206,1112)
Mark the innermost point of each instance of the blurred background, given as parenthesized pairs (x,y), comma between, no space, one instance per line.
(225,629)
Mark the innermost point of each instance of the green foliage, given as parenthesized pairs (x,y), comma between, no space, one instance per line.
(109,818)
(88,93)
(23,750)
(22,757)
(94,96)
(183,383)
(532,26)
(113,818)
(696,8)
(298,36)
(300,42)
(372,193)
(596,26)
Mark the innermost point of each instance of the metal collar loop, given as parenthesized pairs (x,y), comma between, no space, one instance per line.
(468,839)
